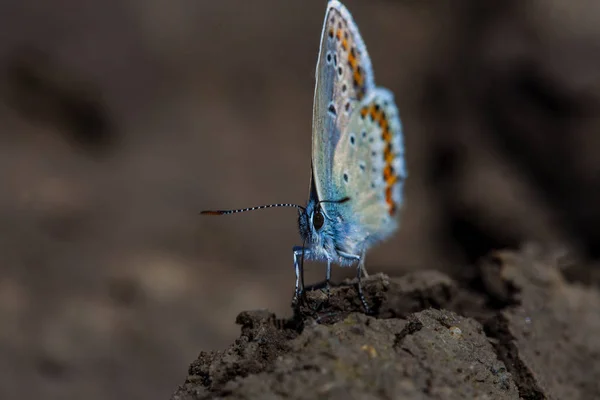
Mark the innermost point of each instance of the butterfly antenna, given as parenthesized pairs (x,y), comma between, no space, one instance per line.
(224,212)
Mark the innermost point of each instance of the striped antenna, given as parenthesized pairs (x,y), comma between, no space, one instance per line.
(224,212)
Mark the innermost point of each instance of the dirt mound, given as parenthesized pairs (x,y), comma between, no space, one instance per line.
(521,331)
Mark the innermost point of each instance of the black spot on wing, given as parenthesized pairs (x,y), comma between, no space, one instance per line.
(332,110)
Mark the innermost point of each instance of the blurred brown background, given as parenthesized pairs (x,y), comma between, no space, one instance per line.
(120,120)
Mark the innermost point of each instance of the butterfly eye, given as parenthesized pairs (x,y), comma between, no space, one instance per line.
(318,220)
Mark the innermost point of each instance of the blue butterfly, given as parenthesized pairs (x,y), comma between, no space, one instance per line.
(358,167)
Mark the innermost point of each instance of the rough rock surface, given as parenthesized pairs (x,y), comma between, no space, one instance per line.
(520,331)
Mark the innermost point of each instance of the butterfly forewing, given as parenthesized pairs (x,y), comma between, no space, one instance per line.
(343,78)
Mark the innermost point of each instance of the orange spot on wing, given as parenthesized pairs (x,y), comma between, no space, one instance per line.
(392,209)
(389,157)
(375,114)
(338,34)
(363,112)
(386,136)
(383,122)
(358,78)
(389,175)
(352,61)
(387,153)
(357,73)
(391,180)
(345,44)
(388,172)
(390,201)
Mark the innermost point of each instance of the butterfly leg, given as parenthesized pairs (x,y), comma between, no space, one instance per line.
(361,265)
(328,279)
(360,269)
(359,273)
(299,254)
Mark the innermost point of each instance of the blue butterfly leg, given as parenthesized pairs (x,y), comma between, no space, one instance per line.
(361,265)
(360,269)
(299,253)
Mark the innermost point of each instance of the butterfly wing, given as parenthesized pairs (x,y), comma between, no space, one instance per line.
(369,166)
(343,77)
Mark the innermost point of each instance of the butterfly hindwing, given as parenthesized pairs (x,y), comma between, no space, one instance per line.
(343,78)
(369,166)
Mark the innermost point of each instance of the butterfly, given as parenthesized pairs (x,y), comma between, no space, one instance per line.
(358,168)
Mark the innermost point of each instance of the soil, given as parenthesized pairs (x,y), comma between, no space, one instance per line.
(523,332)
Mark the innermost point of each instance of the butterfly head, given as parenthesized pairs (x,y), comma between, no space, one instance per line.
(314,223)
(311,222)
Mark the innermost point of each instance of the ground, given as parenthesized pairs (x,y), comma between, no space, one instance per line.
(524,333)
